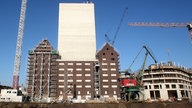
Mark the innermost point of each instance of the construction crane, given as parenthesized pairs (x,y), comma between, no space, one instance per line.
(132,85)
(118,28)
(140,75)
(165,25)
(17,61)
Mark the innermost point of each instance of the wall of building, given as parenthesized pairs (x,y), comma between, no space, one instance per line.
(167,81)
(42,72)
(109,71)
(76,32)
(75,79)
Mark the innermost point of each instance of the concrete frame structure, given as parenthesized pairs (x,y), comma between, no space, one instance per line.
(167,81)
(76,32)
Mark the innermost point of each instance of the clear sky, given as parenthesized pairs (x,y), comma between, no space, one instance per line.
(167,44)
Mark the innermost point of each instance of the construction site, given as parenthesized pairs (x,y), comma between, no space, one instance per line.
(77,74)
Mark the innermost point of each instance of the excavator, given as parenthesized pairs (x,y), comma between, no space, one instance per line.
(132,84)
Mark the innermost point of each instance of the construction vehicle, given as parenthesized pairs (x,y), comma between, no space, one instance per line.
(165,25)
(132,83)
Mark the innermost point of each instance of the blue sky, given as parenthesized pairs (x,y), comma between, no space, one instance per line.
(42,23)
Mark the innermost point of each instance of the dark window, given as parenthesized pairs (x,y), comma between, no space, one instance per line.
(173,86)
(167,86)
(103,53)
(156,86)
(181,86)
(107,48)
(157,93)
(111,53)
(152,95)
(112,59)
(146,87)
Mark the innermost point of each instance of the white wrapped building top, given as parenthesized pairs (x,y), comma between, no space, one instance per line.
(76,32)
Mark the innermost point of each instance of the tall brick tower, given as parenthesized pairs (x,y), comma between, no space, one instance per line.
(42,72)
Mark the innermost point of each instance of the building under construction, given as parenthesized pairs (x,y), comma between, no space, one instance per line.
(167,80)
(42,71)
(77,70)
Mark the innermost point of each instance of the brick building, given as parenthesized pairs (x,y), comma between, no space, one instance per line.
(109,71)
(42,72)
(77,70)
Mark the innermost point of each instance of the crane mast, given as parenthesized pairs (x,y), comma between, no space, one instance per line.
(17,61)
(164,25)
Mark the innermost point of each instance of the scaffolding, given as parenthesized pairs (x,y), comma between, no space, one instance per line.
(42,66)
(97,90)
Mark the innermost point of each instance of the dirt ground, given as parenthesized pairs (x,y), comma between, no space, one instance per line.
(98,105)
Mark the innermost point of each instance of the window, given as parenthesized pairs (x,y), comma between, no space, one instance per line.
(103,58)
(156,86)
(70,75)
(111,53)
(87,86)
(79,92)
(60,86)
(114,92)
(78,69)
(79,86)
(104,63)
(105,92)
(173,86)
(114,80)
(87,74)
(61,92)
(79,75)
(181,86)
(105,86)
(146,87)
(70,63)
(61,80)
(167,86)
(61,69)
(152,95)
(87,63)
(112,59)
(87,80)
(105,80)
(103,53)
(87,92)
(114,86)
(104,69)
(78,63)
(87,69)
(79,80)
(61,74)
(149,86)
(61,64)
(107,48)
(113,69)
(113,75)
(112,64)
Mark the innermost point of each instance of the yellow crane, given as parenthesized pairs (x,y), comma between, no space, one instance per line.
(164,25)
